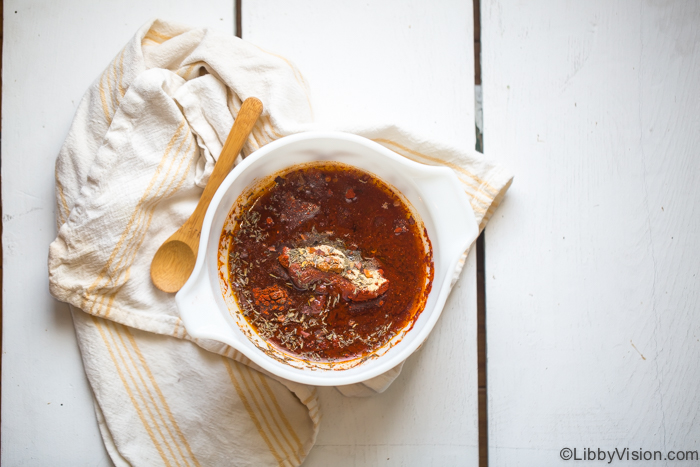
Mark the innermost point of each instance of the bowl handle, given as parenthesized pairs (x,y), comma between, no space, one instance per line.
(449,205)
(200,312)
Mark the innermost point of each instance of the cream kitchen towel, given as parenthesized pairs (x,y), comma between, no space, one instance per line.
(142,145)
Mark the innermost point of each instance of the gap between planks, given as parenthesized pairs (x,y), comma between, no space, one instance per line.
(239,19)
(480,269)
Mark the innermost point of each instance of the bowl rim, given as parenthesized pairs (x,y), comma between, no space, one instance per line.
(383,363)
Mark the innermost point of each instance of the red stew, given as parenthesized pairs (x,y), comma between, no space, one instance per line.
(326,262)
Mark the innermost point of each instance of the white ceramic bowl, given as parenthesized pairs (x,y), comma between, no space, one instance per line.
(435,193)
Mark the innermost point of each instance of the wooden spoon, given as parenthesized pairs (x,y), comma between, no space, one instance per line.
(174,261)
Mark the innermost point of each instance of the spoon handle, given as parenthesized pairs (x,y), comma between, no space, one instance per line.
(242,126)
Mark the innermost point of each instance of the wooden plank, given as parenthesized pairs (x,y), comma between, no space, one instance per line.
(404,62)
(592,260)
(52,53)
(408,63)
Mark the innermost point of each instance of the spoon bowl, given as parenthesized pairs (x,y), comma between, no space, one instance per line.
(172,265)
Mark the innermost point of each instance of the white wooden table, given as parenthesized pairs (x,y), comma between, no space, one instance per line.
(591,262)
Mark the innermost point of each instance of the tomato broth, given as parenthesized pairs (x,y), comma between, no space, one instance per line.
(327,262)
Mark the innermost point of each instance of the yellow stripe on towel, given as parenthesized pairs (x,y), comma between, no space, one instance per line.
(143,391)
(161,397)
(276,414)
(246,403)
(264,415)
(130,393)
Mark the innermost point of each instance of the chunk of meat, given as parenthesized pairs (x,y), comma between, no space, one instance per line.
(270,300)
(400,227)
(361,307)
(329,265)
(316,305)
(296,211)
(279,272)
